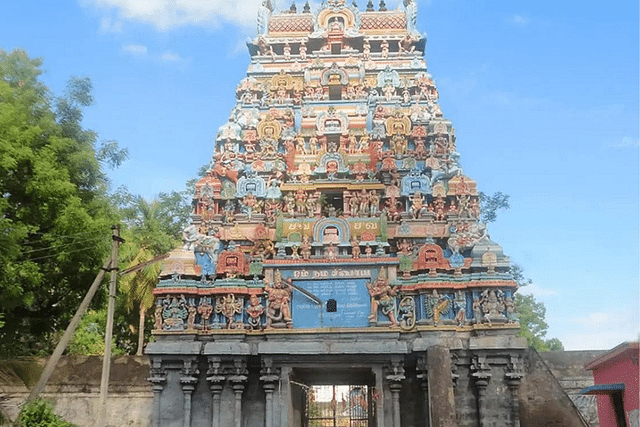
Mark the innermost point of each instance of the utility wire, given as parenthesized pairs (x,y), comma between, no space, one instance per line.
(57,254)
(58,236)
(64,245)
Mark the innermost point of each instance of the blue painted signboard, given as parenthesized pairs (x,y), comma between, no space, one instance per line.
(352,304)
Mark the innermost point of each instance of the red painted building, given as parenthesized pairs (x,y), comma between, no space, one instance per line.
(615,376)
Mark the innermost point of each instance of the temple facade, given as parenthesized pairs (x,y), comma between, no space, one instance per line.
(335,271)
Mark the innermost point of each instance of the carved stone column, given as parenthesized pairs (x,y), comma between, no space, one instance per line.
(481,376)
(216,384)
(158,378)
(188,379)
(269,378)
(395,376)
(423,376)
(238,379)
(514,376)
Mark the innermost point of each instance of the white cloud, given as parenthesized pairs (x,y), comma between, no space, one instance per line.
(135,49)
(107,25)
(602,330)
(170,57)
(169,14)
(517,20)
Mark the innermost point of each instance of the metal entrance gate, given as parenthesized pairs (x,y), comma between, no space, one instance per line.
(339,406)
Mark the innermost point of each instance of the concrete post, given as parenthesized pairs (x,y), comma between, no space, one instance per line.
(216,384)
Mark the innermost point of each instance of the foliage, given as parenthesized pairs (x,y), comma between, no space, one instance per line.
(55,215)
(533,326)
(39,413)
(490,205)
(531,314)
(153,229)
(88,339)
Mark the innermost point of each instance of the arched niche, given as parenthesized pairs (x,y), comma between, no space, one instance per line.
(330,227)
(344,15)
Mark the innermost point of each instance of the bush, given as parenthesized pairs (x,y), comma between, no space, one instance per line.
(39,413)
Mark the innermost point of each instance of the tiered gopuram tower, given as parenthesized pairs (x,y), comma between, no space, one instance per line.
(335,271)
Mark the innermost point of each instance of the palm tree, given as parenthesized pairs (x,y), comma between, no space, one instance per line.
(149,233)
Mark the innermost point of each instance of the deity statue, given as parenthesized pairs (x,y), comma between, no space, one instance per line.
(279,296)
(355,248)
(411,9)
(229,306)
(461,306)
(303,51)
(254,311)
(249,204)
(191,317)
(383,298)
(263,17)
(417,207)
(384,47)
(157,316)
(205,309)
(366,50)
(305,248)
(405,45)
(190,237)
(437,306)
(407,310)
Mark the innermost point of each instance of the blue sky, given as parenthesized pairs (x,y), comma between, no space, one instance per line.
(543,95)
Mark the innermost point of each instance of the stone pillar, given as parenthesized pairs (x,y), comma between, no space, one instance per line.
(395,376)
(481,376)
(269,378)
(238,380)
(188,379)
(442,406)
(157,379)
(514,376)
(216,384)
(422,375)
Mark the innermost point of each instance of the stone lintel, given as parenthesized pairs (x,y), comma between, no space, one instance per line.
(498,342)
(227,348)
(174,348)
(333,347)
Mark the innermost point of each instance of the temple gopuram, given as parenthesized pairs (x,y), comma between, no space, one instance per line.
(335,271)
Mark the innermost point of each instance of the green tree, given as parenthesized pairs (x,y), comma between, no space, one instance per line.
(152,229)
(55,216)
(491,204)
(531,312)
(532,316)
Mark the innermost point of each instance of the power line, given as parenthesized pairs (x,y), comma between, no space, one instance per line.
(57,236)
(64,245)
(57,254)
